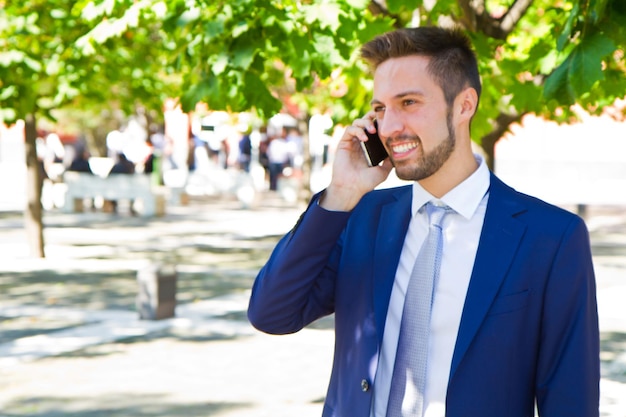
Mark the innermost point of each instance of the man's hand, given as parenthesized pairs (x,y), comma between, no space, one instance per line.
(352,177)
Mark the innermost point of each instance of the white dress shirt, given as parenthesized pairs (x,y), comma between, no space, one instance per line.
(461,233)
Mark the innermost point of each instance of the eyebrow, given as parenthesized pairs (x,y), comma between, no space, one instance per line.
(400,96)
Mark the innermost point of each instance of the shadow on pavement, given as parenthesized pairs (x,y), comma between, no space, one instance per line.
(119,405)
(613,355)
(216,253)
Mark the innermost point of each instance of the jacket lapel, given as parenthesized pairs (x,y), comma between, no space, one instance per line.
(392,226)
(499,240)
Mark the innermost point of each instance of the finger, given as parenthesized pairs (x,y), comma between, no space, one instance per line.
(355,131)
(367,122)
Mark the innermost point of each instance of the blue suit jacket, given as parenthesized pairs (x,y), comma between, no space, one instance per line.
(529,328)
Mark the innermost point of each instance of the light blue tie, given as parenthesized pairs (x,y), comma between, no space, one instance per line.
(406,397)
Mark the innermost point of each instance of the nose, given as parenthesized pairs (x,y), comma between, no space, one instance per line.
(389,125)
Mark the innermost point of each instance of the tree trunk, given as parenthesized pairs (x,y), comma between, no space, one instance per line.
(488,142)
(34,184)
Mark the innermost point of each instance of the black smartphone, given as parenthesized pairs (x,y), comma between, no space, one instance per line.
(373,149)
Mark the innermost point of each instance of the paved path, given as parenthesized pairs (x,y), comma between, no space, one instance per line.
(193,365)
(72,344)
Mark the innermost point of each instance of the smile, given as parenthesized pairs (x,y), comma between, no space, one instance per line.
(403,147)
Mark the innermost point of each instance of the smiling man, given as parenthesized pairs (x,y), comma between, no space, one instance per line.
(453,296)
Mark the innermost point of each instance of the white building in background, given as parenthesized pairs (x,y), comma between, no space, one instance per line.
(570,164)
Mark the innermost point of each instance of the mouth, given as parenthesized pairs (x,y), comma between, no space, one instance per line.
(402,150)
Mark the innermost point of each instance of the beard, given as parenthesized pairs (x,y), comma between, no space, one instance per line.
(428,163)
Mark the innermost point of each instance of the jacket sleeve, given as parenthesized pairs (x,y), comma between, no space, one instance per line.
(296,285)
(569,363)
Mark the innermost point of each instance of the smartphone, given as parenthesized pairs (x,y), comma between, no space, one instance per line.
(373,149)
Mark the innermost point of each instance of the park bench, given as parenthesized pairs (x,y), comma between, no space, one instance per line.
(136,188)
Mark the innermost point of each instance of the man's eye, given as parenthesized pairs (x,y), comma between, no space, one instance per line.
(408,102)
(379,109)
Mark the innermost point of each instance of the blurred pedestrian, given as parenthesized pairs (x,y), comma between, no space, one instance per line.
(80,163)
(122,166)
(278,158)
(245,152)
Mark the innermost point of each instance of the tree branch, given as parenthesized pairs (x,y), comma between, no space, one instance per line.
(501,125)
(472,9)
(478,18)
(514,14)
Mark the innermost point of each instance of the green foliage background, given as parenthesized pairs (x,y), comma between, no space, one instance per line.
(537,56)
(95,59)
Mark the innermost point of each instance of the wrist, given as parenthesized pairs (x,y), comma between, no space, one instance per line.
(339,199)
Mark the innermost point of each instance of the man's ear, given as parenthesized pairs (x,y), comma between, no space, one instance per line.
(467,103)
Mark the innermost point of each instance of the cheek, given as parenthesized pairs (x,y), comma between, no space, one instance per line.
(432,129)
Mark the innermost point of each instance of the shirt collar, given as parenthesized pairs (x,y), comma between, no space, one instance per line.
(464,198)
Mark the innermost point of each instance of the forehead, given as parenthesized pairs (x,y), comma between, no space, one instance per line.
(408,73)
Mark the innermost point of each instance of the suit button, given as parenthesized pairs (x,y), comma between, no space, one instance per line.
(365,385)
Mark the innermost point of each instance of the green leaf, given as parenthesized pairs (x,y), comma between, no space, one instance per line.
(239,29)
(525,96)
(557,86)
(396,6)
(597,10)
(300,59)
(325,13)
(214,28)
(446,7)
(357,4)
(220,63)
(243,54)
(366,30)
(548,62)
(586,65)
(580,70)
(8,92)
(569,25)
(259,96)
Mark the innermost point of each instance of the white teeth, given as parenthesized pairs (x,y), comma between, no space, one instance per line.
(405,147)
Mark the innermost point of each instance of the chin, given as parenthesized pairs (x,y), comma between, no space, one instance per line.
(405,175)
(412,173)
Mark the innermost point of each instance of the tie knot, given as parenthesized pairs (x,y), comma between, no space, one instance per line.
(436,213)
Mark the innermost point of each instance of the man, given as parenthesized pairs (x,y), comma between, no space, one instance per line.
(124,166)
(513,324)
(80,163)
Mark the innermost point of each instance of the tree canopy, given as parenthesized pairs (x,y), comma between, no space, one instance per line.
(539,56)
(536,56)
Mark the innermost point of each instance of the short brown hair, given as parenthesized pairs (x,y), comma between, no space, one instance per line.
(453,62)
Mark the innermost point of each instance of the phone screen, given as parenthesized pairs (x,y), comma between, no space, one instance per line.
(373,149)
